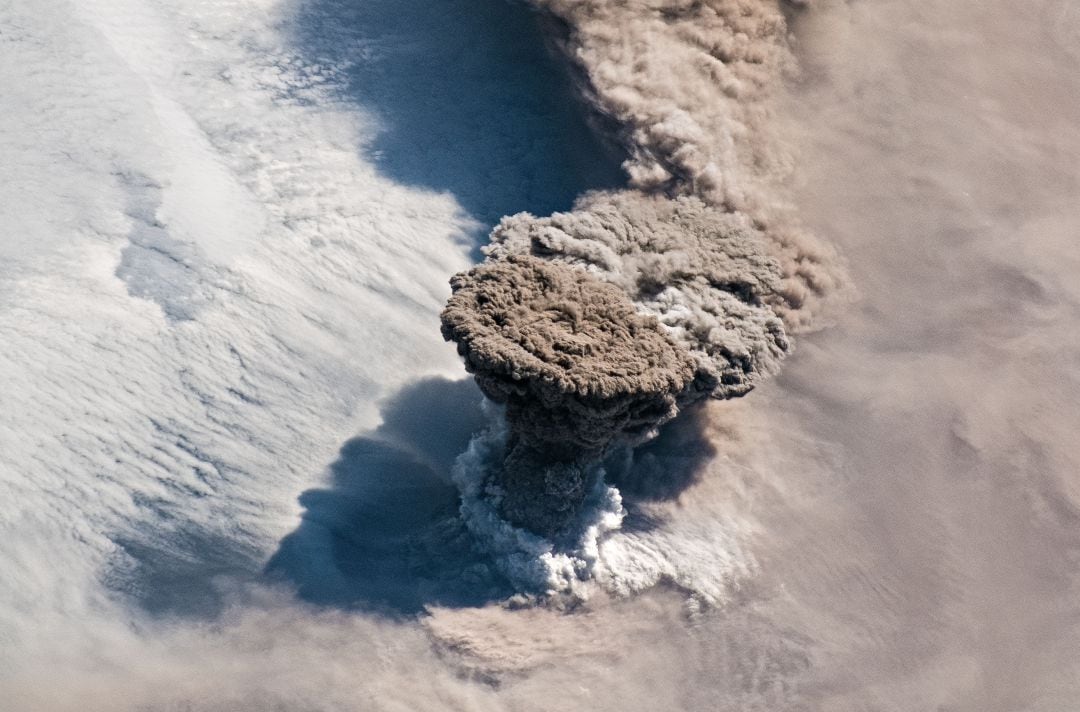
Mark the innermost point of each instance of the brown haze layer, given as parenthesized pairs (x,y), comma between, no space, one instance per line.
(911,479)
(907,489)
(697,241)
(687,86)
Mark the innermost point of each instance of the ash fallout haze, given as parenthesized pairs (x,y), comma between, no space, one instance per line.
(539,354)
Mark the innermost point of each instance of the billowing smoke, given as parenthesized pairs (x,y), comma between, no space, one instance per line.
(703,273)
(576,367)
(593,327)
(685,86)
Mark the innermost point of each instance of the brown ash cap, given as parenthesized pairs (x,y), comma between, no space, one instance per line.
(525,324)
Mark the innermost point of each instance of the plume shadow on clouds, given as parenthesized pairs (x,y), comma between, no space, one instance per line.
(661,469)
(484,112)
(382,535)
(468,98)
(385,535)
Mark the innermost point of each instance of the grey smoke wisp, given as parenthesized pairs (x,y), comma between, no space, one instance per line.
(594,326)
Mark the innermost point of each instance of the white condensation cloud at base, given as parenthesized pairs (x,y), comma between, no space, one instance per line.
(888,525)
(208,287)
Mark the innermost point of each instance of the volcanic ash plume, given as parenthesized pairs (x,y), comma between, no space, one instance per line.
(593,327)
(685,87)
(576,367)
(705,274)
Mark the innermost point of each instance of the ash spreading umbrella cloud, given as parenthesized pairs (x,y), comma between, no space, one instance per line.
(696,243)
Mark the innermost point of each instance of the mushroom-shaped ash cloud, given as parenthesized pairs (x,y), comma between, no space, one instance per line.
(576,366)
(595,326)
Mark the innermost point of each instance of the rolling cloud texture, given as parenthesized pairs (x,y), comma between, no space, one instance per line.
(595,326)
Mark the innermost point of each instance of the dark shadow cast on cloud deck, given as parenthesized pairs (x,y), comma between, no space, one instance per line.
(661,469)
(664,467)
(384,535)
(469,99)
(469,102)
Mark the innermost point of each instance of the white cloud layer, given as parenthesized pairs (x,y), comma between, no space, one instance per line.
(208,279)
